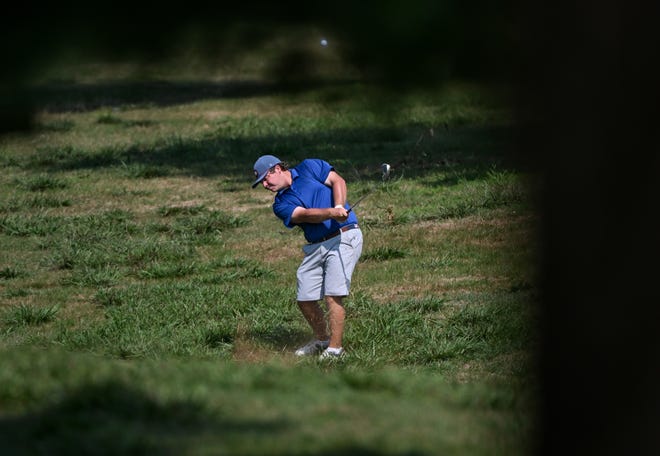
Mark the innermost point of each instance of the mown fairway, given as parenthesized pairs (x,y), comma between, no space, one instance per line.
(147,293)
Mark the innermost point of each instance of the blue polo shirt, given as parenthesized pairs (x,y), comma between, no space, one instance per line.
(308,190)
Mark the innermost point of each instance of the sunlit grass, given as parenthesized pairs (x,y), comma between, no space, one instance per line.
(139,269)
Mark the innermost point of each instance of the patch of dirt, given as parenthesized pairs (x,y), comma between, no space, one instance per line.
(245,351)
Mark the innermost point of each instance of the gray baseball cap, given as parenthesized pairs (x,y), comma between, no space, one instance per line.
(262,165)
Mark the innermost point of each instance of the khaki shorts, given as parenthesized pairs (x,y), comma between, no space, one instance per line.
(328,266)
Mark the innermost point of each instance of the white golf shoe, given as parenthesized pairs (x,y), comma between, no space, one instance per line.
(312,348)
(332,353)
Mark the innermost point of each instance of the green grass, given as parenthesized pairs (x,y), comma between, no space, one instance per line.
(147,294)
(22,315)
(140,407)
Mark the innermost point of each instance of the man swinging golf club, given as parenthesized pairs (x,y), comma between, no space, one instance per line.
(312,195)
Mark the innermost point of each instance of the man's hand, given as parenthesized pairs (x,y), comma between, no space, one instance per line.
(339,214)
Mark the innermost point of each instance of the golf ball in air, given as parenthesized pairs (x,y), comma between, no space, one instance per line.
(324,42)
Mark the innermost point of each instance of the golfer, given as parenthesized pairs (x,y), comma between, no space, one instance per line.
(312,195)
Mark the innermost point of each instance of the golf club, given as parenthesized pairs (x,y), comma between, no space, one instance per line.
(386,171)
(358,201)
(386,174)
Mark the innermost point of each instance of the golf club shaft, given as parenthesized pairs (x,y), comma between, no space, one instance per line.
(386,174)
(358,201)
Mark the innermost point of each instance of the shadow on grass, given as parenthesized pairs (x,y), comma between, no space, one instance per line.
(282,338)
(67,97)
(232,144)
(112,419)
(469,152)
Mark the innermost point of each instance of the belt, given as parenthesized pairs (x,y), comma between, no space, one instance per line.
(337,233)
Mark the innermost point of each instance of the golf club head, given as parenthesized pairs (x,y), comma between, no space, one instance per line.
(386,170)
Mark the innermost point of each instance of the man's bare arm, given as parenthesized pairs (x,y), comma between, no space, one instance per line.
(318,215)
(338,185)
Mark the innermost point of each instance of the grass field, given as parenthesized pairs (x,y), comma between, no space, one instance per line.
(147,293)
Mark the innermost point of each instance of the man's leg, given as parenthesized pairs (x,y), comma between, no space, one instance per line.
(315,317)
(340,264)
(336,316)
